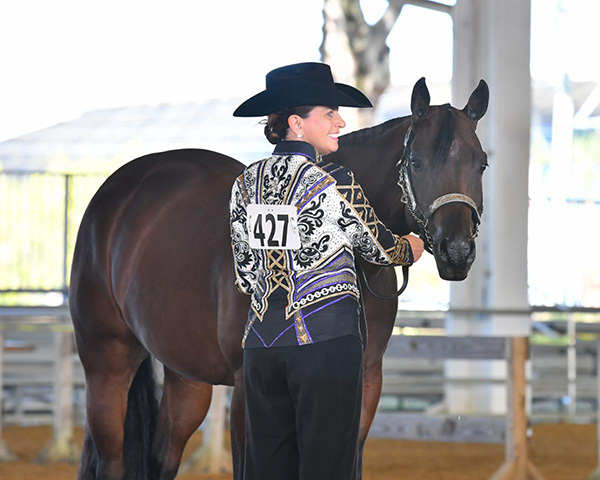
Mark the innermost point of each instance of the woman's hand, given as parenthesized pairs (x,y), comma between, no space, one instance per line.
(416,245)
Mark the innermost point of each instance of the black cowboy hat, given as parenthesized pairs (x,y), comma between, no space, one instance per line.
(298,85)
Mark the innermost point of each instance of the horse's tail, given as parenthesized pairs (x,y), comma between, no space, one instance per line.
(140,423)
(140,426)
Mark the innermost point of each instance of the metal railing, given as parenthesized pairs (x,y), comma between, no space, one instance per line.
(564,355)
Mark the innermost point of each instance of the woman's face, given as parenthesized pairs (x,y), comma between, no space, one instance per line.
(321,129)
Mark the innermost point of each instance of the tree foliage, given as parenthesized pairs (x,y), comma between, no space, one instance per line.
(357,51)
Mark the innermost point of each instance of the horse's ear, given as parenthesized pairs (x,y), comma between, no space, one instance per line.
(419,102)
(478,102)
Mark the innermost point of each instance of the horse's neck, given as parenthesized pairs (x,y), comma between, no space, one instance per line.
(372,154)
(381,138)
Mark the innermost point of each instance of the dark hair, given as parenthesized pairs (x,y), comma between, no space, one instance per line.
(276,125)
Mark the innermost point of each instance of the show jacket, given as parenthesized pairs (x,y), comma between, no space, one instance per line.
(334,220)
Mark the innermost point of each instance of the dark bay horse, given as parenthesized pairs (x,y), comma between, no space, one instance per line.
(152,276)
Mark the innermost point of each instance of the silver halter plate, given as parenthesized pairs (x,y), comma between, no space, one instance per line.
(422,218)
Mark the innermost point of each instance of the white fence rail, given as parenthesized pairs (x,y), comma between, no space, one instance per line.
(57,366)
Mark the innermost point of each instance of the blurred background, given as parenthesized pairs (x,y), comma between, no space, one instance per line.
(89,86)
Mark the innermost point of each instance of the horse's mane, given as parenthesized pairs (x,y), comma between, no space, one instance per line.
(441,146)
(369,135)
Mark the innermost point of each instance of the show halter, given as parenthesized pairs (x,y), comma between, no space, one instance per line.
(422,219)
(409,199)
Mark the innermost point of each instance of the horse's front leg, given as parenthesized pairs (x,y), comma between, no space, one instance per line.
(372,382)
(380,319)
(183,407)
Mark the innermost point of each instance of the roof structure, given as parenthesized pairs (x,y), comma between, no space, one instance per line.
(103,140)
(586,102)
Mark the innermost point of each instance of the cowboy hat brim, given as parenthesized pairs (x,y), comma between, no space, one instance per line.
(301,93)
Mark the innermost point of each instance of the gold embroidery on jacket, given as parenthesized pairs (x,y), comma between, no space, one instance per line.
(303,337)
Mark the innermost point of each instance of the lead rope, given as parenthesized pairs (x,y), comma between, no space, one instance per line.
(405,200)
(385,297)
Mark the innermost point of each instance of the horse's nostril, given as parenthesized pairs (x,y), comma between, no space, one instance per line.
(444,248)
(456,251)
(472,247)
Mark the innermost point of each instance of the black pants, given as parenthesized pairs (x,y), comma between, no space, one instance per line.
(303,408)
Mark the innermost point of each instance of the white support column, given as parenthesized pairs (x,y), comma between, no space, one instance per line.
(491,41)
(596,474)
(572,366)
(62,448)
(5,454)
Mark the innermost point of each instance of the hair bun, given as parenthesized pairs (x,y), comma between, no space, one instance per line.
(271,135)
(276,125)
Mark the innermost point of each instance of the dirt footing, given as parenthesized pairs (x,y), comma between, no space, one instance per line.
(561,452)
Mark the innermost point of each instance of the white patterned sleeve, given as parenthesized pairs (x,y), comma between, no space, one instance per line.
(368,235)
(245,261)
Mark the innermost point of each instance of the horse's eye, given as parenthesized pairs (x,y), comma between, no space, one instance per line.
(483,166)
(416,164)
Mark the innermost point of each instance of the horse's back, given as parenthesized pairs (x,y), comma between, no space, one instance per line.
(150,250)
(167,171)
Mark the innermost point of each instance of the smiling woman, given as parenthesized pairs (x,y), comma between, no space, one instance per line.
(320,128)
(296,223)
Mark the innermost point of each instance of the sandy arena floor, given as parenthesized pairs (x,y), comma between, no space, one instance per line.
(561,452)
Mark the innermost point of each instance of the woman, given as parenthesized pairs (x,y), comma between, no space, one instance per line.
(296,221)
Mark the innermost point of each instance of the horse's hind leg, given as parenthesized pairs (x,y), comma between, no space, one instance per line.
(110,366)
(183,407)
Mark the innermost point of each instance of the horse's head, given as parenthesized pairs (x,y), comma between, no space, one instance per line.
(441,177)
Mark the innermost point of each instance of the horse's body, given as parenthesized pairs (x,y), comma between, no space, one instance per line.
(152,276)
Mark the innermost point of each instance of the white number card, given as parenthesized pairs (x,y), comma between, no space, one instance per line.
(273,227)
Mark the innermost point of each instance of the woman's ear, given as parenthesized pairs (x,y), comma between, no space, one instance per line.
(295,124)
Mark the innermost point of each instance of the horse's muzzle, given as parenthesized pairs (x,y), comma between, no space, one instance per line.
(454,257)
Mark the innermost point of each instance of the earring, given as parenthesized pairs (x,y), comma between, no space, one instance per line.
(299,135)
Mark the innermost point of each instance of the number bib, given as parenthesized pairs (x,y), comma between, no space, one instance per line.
(273,227)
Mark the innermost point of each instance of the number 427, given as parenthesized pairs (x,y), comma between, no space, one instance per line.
(273,240)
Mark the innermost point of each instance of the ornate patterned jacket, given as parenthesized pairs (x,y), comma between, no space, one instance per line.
(334,220)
